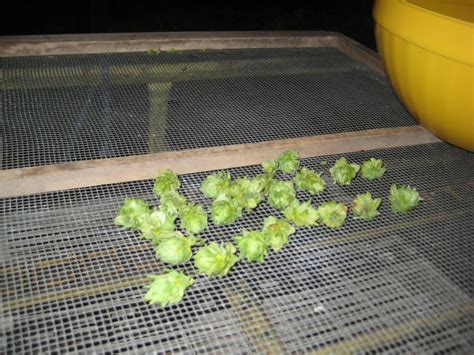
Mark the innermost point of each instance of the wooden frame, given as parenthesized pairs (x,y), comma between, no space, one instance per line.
(140,42)
(17,182)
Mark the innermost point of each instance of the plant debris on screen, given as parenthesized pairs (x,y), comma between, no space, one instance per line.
(234,197)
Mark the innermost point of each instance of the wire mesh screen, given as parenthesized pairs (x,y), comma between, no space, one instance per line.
(67,108)
(73,282)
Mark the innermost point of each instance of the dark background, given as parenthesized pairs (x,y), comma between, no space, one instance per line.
(352,18)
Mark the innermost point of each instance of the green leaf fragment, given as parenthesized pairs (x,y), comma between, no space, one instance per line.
(166,181)
(252,245)
(281,194)
(342,172)
(403,199)
(301,214)
(277,231)
(365,207)
(153,225)
(175,248)
(288,162)
(131,214)
(309,181)
(153,51)
(270,167)
(215,259)
(372,169)
(332,214)
(167,288)
(172,203)
(247,193)
(216,184)
(225,210)
(193,218)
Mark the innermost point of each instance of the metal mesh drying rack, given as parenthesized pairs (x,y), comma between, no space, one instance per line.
(89,120)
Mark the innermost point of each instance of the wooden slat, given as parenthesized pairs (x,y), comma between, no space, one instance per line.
(359,53)
(17,182)
(139,42)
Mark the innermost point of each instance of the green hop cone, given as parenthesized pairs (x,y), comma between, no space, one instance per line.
(215,259)
(302,214)
(132,213)
(165,234)
(155,224)
(225,210)
(281,194)
(270,167)
(403,199)
(332,214)
(252,245)
(172,203)
(342,172)
(247,193)
(193,218)
(309,181)
(365,207)
(277,231)
(167,288)
(372,169)
(263,183)
(288,162)
(166,181)
(175,248)
(216,184)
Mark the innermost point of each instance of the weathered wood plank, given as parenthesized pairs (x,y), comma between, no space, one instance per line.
(139,42)
(17,182)
(359,53)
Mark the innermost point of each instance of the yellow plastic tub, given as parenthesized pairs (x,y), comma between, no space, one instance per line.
(427,47)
